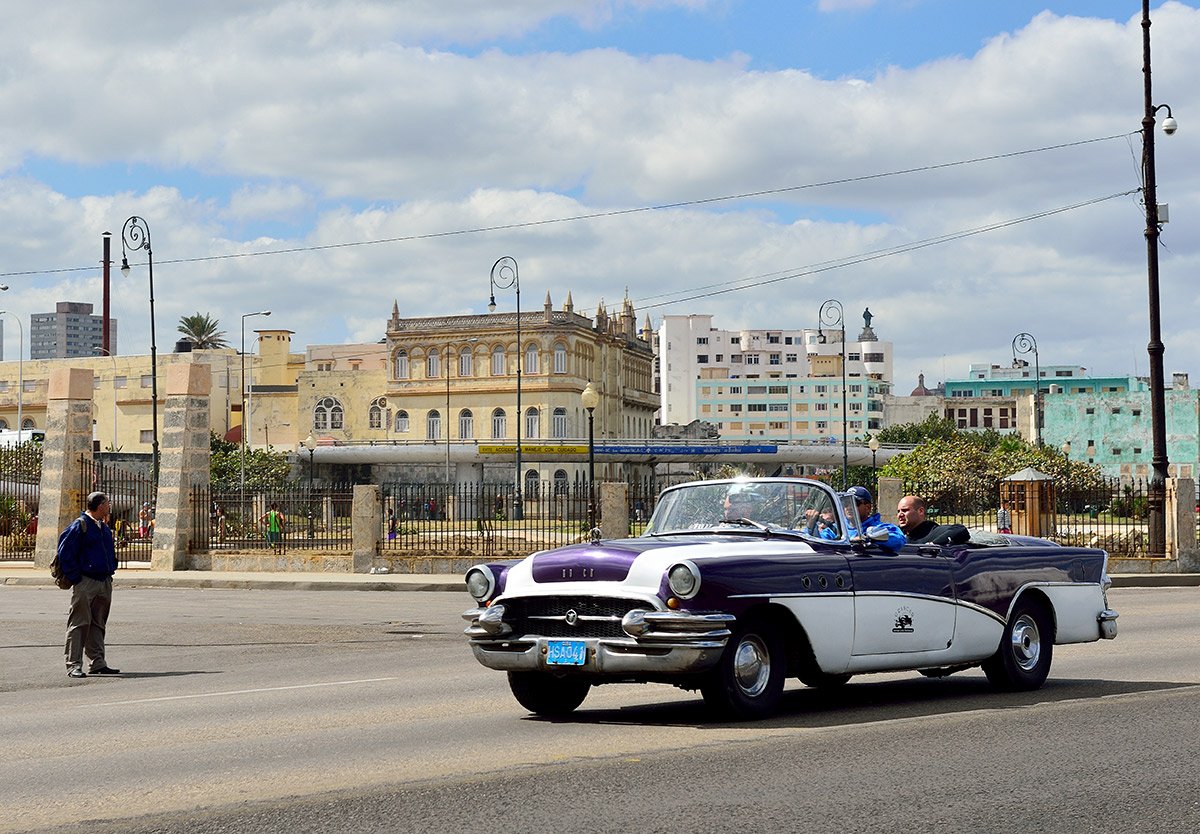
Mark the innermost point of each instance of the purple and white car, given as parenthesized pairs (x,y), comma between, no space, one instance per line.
(737,585)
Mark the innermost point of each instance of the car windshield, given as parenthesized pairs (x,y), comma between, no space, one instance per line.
(802,506)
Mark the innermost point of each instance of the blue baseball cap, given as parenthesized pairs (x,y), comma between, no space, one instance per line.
(861,495)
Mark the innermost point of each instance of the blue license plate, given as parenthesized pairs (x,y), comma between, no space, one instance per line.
(566,652)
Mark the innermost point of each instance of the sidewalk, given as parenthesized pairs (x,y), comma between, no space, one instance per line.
(27,575)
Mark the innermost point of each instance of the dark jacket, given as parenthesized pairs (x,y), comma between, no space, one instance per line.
(86,549)
(922,530)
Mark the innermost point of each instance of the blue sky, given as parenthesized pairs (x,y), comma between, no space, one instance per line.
(331,122)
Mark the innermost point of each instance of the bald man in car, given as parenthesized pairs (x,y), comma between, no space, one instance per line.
(910,516)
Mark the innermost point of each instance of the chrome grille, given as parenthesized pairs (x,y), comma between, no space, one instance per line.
(548,616)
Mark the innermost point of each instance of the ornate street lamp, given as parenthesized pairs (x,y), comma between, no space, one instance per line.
(135,235)
(591,398)
(1025,344)
(873,445)
(1156,503)
(831,316)
(20,370)
(504,275)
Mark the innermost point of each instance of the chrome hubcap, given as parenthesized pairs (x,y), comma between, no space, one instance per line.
(1026,642)
(752,666)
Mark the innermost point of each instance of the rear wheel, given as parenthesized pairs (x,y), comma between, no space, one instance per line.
(748,681)
(1023,660)
(544,694)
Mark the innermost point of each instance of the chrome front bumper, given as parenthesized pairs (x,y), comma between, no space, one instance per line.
(1108,624)
(658,643)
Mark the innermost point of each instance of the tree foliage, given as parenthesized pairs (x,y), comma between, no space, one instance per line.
(266,469)
(203,331)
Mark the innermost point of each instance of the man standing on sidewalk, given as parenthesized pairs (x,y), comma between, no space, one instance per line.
(88,559)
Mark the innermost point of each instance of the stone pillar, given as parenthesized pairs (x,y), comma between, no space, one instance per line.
(1181,518)
(68,437)
(366,526)
(889,492)
(614,510)
(184,457)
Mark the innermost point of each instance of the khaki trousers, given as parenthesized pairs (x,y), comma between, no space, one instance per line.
(90,601)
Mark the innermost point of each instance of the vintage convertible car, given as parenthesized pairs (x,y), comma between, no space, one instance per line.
(739,584)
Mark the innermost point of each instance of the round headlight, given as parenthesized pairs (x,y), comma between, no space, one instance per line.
(684,580)
(480,582)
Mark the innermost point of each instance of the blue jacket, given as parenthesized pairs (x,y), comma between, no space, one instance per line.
(896,538)
(86,549)
(871,521)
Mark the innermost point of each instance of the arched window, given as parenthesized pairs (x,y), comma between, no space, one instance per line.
(498,360)
(433,425)
(328,414)
(377,416)
(531,358)
(28,423)
(533,422)
(466,424)
(533,483)
(466,362)
(499,424)
(400,365)
(558,423)
(560,358)
(3,424)
(401,421)
(433,364)
(562,484)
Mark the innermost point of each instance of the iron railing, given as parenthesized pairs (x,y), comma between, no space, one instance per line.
(131,517)
(313,518)
(20,476)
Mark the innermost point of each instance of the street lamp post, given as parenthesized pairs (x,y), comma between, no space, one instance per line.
(873,445)
(310,443)
(245,388)
(1158,423)
(20,370)
(135,235)
(1024,343)
(830,315)
(504,275)
(591,399)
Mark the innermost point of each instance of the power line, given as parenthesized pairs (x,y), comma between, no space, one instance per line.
(596,215)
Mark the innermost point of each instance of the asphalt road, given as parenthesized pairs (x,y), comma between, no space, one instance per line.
(263,711)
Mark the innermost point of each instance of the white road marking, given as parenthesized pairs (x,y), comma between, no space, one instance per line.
(240,692)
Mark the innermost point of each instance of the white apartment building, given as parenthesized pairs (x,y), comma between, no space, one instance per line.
(771,384)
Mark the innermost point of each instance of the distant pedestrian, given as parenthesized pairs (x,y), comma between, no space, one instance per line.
(88,559)
(221,524)
(144,518)
(275,525)
(1003,518)
(391,523)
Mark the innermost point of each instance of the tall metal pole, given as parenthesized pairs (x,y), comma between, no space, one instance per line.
(105,331)
(505,275)
(591,469)
(1159,468)
(447,371)
(135,235)
(1024,343)
(20,370)
(831,315)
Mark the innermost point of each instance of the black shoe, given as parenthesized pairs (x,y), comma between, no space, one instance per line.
(76,673)
(106,670)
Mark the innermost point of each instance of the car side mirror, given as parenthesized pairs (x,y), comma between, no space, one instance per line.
(878,533)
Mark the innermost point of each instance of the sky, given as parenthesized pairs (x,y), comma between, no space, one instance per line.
(968,171)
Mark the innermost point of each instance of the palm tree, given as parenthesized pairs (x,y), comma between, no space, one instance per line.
(201,329)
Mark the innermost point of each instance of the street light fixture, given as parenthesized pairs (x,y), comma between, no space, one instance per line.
(20,370)
(1024,343)
(831,316)
(591,398)
(873,445)
(1156,503)
(135,235)
(505,275)
(245,414)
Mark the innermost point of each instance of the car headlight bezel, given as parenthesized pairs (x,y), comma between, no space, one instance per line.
(683,578)
(481,583)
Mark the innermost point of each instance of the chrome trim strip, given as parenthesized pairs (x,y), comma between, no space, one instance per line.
(796,595)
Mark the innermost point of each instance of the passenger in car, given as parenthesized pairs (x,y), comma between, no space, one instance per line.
(910,516)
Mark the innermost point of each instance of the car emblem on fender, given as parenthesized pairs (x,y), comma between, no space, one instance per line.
(572,618)
(904,621)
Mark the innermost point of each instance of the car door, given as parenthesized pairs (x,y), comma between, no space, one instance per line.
(903,602)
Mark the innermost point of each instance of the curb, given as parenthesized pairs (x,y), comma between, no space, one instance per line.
(241,583)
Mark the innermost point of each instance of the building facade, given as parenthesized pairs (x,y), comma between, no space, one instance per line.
(70,331)
(778,385)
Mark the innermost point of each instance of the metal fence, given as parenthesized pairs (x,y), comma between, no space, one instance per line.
(20,476)
(131,516)
(311,518)
(1111,515)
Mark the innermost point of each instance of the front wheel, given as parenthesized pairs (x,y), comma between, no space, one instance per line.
(544,694)
(1023,659)
(748,681)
